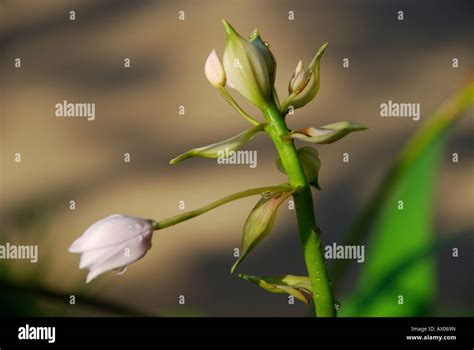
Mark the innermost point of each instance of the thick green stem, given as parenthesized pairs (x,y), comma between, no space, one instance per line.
(309,232)
(158,225)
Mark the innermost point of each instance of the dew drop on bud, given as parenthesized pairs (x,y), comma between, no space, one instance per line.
(337,305)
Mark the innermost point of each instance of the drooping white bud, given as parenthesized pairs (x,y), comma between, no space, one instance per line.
(112,243)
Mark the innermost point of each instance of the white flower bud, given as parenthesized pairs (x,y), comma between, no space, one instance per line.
(304,85)
(246,68)
(299,79)
(214,70)
(112,243)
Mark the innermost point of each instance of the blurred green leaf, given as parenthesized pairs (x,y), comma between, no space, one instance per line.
(26,295)
(352,308)
(400,220)
(11,302)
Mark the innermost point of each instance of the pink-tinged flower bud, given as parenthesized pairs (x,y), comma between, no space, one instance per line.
(214,70)
(112,243)
(304,84)
(299,79)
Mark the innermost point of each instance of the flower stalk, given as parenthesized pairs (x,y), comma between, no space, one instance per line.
(309,232)
(158,225)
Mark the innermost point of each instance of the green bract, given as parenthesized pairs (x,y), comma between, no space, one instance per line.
(216,150)
(260,222)
(325,134)
(296,286)
(309,158)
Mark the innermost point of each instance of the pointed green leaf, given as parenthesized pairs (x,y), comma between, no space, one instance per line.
(222,148)
(401,260)
(260,222)
(327,133)
(311,163)
(296,286)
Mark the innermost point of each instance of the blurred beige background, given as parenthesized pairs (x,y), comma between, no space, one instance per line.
(137,112)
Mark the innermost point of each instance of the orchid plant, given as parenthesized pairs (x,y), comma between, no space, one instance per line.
(249,67)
